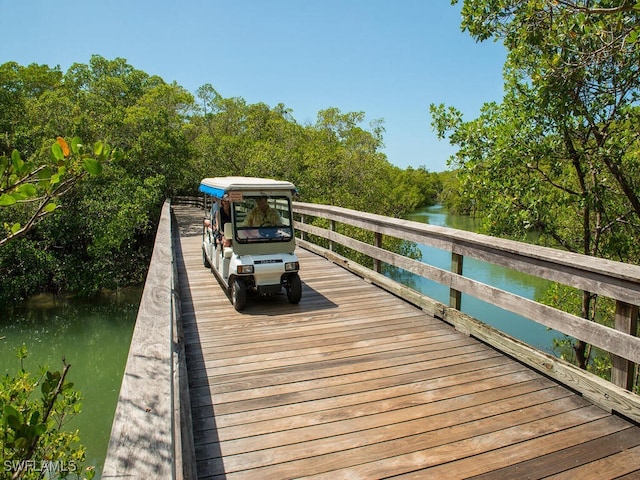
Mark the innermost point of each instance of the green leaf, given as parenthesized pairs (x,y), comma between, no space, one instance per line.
(12,417)
(27,189)
(17,161)
(35,416)
(45,173)
(57,152)
(19,195)
(16,226)
(21,443)
(92,166)
(76,143)
(40,429)
(97,148)
(50,207)
(21,352)
(6,200)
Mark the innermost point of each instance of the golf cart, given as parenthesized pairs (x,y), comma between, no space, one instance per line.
(254,250)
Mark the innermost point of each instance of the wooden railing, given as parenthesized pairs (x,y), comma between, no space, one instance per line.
(151,434)
(615,280)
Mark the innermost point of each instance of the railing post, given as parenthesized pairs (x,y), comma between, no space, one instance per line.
(302,233)
(377,242)
(455,297)
(626,320)
(333,229)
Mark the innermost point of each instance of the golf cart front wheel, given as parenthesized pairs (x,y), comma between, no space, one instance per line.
(294,288)
(238,294)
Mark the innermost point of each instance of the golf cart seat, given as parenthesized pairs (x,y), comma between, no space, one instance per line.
(228,234)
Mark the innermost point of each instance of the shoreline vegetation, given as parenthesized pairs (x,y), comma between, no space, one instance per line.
(99,234)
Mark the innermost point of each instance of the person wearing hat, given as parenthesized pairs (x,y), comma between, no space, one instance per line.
(262,215)
(223,216)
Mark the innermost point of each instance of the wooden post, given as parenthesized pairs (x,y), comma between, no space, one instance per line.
(377,242)
(302,234)
(626,320)
(455,297)
(333,229)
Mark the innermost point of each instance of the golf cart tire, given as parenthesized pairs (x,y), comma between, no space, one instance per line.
(294,288)
(205,260)
(238,295)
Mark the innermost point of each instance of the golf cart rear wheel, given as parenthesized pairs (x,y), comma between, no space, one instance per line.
(294,288)
(238,294)
(205,260)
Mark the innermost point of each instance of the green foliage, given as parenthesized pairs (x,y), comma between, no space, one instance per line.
(26,269)
(557,161)
(329,161)
(39,185)
(559,156)
(451,195)
(99,234)
(33,414)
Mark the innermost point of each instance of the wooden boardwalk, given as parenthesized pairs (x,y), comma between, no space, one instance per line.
(356,383)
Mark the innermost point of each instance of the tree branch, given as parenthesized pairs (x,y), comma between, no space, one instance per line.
(49,407)
(39,214)
(595,11)
(23,180)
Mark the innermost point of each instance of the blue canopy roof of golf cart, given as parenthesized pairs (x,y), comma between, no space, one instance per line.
(218,186)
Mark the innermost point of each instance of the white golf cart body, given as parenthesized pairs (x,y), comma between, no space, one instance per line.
(255,251)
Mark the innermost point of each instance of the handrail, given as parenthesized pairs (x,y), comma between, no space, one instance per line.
(189,200)
(150,434)
(615,280)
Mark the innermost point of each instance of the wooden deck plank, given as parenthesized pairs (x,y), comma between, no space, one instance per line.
(355,383)
(547,456)
(626,462)
(400,417)
(402,407)
(326,410)
(385,452)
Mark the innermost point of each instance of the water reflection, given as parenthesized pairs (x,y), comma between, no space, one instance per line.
(510,280)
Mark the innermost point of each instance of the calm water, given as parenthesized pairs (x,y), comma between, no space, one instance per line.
(505,279)
(93,336)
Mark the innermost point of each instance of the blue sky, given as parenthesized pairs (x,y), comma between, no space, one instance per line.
(387,58)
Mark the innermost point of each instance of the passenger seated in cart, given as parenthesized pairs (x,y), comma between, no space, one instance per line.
(262,215)
(223,216)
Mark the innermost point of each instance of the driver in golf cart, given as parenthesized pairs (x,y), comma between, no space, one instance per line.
(262,215)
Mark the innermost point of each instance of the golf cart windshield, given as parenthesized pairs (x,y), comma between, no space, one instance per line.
(260,219)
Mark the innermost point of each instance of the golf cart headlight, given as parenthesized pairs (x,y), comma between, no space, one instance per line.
(244,269)
(291,267)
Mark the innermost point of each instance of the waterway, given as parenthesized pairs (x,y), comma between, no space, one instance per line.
(93,335)
(512,281)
